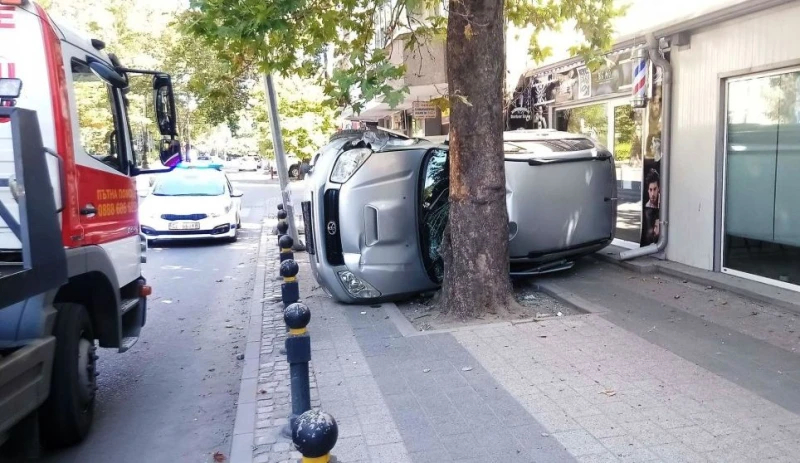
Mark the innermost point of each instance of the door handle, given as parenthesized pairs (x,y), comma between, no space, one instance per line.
(88,210)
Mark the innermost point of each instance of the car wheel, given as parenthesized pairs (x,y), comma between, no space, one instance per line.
(68,412)
(235,236)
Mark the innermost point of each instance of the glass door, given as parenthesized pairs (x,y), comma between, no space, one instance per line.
(761,214)
(626,144)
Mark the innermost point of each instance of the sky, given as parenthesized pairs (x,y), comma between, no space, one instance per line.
(642,16)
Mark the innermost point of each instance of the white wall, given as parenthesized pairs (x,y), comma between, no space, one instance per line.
(757,40)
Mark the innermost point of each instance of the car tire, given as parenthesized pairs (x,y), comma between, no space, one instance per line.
(66,415)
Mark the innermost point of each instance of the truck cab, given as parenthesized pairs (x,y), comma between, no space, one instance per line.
(65,135)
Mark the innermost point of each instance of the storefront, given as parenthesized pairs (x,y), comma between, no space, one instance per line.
(598,104)
(734,148)
(761,192)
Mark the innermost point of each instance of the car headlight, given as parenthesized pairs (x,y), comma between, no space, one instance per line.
(348,163)
(222,212)
(357,287)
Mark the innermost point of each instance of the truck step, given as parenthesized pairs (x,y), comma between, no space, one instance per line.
(128,304)
(127,343)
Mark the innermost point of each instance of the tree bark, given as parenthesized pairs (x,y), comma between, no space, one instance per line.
(476,252)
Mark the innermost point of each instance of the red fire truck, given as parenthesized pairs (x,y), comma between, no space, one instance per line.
(70,247)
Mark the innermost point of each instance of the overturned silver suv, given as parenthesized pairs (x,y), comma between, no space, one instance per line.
(376,206)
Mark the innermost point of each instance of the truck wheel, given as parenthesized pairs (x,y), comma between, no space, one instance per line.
(67,414)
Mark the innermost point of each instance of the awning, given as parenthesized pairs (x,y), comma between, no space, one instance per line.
(375,109)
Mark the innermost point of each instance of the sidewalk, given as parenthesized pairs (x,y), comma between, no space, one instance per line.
(651,374)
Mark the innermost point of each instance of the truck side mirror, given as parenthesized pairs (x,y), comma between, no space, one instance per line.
(170,153)
(164,105)
(107,74)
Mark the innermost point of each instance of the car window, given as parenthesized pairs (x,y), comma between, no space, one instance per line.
(189,184)
(434,210)
(97,117)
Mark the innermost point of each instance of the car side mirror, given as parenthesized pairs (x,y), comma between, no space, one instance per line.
(236,194)
(164,101)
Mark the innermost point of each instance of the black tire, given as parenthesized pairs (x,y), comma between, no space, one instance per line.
(66,415)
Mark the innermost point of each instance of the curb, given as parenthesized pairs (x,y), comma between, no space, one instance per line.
(569,298)
(244,426)
(749,289)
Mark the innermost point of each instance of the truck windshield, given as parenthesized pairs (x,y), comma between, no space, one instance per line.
(189,185)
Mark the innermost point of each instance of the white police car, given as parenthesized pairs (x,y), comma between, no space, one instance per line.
(191,202)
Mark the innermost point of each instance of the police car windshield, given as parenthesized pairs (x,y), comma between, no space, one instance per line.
(190,184)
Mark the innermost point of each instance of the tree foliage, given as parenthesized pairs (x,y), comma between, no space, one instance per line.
(212,86)
(289,37)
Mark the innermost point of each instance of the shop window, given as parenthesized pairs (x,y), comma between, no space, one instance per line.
(97,117)
(590,120)
(761,229)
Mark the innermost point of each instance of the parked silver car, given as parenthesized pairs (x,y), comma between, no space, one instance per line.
(377,203)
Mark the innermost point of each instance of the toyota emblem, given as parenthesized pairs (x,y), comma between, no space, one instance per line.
(332,228)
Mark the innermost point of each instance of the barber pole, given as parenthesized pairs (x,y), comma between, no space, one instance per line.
(639,87)
(7,69)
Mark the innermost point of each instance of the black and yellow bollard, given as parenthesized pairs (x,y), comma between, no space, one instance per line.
(290,289)
(298,354)
(285,242)
(314,436)
(283,225)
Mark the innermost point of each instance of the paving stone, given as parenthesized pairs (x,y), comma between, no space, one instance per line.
(678,453)
(627,449)
(579,442)
(394,453)
(600,426)
(350,449)
(462,446)
(431,456)
(381,433)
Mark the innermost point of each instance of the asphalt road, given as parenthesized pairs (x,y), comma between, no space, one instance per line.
(171,398)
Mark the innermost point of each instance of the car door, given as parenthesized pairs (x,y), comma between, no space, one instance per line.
(237,199)
(107,195)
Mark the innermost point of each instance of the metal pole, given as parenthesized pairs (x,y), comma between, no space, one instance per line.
(280,161)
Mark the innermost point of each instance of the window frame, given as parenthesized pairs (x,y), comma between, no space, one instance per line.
(424,243)
(115,103)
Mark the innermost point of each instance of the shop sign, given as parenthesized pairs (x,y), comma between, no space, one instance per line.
(423,110)
(521,113)
(614,76)
(544,90)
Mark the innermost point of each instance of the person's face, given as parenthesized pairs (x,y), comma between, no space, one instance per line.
(652,192)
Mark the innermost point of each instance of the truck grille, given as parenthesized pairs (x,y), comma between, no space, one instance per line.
(333,238)
(308,221)
(184,217)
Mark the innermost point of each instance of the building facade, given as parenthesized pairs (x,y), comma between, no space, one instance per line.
(734,143)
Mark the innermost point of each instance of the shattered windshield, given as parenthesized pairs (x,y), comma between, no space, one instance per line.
(434,212)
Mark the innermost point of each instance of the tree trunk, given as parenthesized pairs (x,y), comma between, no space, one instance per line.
(476,251)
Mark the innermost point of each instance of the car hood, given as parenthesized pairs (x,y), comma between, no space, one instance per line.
(156,205)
